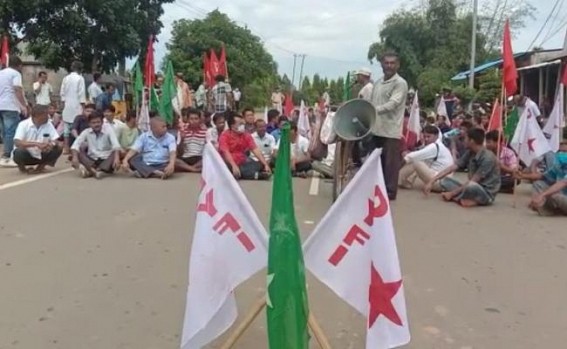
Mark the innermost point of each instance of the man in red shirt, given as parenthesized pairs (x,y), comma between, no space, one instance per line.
(235,144)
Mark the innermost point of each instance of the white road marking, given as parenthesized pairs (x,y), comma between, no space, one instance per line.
(314,187)
(33,178)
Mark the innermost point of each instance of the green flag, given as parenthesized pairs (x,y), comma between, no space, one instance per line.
(347,88)
(287,306)
(168,93)
(511,124)
(138,83)
(154,100)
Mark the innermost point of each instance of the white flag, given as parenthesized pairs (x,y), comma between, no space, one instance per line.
(528,141)
(554,127)
(353,251)
(229,246)
(442,108)
(143,121)
(303,125)
(414,122)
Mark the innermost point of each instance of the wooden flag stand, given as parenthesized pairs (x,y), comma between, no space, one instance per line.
(255,311)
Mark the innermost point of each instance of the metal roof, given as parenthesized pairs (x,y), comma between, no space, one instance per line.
(465,74)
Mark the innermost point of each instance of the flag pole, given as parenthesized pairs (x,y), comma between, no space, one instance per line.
(253,314)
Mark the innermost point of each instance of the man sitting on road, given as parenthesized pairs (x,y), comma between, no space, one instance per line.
(81,122)
(264,141)
(300,158)
(426,162)
(234,146)
(110,120)
(484,174)
(153,153)
(35,142)
(192,143)
(102,153)
(213,133)
(507,159)
(249,120)
(550,188)
(129,133)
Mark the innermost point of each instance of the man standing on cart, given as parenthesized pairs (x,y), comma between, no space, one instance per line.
(389,97)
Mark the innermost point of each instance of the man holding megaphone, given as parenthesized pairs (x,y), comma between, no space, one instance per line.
(389,98)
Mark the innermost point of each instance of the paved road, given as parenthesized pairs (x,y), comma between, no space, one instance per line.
(103,264)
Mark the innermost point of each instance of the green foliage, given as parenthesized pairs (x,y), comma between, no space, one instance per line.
(250,66)
(100,34)
(429,82)
(465,94)
(489,86)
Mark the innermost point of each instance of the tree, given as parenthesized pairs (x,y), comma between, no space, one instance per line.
(100,34)
(434,43)
(249,64)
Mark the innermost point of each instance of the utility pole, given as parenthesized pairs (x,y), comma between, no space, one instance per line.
(473,43)
(301,71)
(293,76)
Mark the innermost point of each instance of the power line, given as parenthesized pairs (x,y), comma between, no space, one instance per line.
(544,25)
(554,19)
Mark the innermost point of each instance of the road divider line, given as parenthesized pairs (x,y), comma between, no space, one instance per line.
(314,187)
(33,178)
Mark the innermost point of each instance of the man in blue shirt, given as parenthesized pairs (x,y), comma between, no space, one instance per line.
(153,153)
(550,187)
(104,100)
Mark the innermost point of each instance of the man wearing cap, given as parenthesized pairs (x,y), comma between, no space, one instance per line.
(363,78)
(389,97)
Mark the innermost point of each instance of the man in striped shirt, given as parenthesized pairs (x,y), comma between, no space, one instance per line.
(221,95)
(192,142)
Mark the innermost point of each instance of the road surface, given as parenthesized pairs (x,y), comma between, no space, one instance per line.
(103,265)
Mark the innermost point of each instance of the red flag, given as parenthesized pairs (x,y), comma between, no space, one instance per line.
(223,65)
(564,77)
(149,70)
(5,52)
(495,122)
(288,105)
(214,64)
(509,72)
(207,76)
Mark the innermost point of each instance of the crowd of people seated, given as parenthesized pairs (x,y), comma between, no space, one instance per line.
(99,144)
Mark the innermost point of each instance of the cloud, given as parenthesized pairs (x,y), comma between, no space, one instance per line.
(333,34)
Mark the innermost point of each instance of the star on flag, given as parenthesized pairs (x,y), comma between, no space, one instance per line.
(380,297)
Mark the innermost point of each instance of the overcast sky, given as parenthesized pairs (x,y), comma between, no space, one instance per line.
(333,34)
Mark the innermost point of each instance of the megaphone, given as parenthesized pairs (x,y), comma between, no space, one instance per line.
(354,120)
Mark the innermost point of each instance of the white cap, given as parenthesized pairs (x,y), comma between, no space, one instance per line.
(364,71)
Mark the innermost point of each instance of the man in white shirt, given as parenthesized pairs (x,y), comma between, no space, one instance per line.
(102,154)
(12,103)
(523,102)
(94,89)
(326,98)
(389,98)
(73,98)
(277,100)
(300,158)
(264,141)
(363,78)
(201,97)
(111,121)
(42,89)
(36,142)
(427,162)
(237,95)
